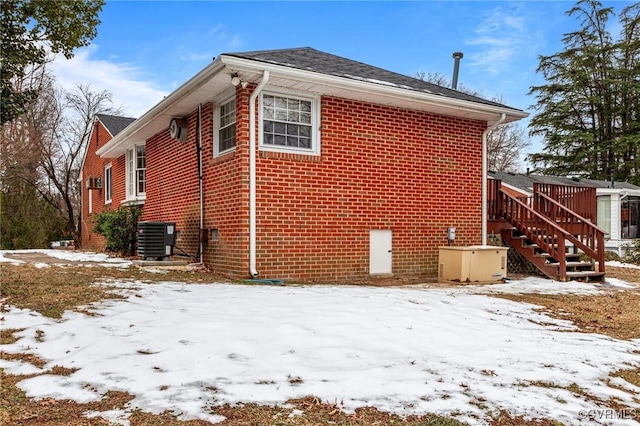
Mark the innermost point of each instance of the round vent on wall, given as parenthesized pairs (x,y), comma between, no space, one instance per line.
(178,129)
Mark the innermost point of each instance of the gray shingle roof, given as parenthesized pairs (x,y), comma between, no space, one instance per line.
(113,123)
(306,58)
(525,182)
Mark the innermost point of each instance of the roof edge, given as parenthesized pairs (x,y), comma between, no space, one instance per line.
(187,88)
(365,86)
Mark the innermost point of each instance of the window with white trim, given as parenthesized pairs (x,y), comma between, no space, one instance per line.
(107,184)
(225,128)
(136,172)
(289,123)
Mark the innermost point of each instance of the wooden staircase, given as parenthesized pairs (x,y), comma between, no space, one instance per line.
(562,244)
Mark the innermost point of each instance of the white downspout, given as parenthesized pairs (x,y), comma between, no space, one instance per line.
(503,117)
(252,173)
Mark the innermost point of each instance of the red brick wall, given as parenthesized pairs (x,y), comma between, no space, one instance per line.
(94,167)
(173,191)
(381,168)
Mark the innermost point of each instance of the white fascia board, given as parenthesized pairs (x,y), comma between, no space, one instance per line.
(493,112)
(114,148)
(619,191)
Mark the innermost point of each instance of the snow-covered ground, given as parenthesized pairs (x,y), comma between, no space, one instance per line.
(621,264)
(187,347)
(100,259)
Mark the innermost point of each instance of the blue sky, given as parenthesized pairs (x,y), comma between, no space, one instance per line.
(146,49)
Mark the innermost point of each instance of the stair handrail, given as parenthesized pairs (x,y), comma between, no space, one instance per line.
(522,223)
(595,235)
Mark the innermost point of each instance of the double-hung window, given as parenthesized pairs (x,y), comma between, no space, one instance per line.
(136,172)
(225,128)
(289,123)
(107,184)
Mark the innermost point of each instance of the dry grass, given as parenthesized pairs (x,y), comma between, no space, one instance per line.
(17,409)
(507,419)
(615,313)
(631,375)
(51,291)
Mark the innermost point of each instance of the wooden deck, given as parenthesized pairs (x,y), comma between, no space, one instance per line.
(554,229)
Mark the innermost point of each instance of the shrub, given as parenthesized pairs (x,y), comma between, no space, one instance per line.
(612,255)
(119,227)
(631,252)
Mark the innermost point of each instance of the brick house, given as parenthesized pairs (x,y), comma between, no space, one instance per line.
(101,178)
(302,165)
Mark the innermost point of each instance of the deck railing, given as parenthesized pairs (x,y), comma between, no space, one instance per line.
(493,190)
(579,200)
(584,234)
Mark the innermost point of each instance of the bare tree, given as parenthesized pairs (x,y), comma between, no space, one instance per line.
(62,153)
(504,143)
(444,81)
(28,219)
(20,148)
(433,77)
(44,146)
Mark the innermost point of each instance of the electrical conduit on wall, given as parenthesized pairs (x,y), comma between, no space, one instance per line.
(252,173)
(200,183)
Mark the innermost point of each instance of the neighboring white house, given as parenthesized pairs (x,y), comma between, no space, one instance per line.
(618,204)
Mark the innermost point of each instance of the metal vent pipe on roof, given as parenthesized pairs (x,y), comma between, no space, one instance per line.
(456,68)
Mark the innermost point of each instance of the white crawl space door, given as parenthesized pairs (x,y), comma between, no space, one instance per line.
(380,253)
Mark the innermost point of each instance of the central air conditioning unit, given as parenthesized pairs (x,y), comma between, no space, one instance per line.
(156,240)
(178,129)
(94,183)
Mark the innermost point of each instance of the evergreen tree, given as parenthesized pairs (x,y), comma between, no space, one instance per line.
(588,110)
(26,220)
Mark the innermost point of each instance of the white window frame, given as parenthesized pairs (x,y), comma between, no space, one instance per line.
(90,201)
(315,124)
(131,173)
(217,128)
(108,184)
